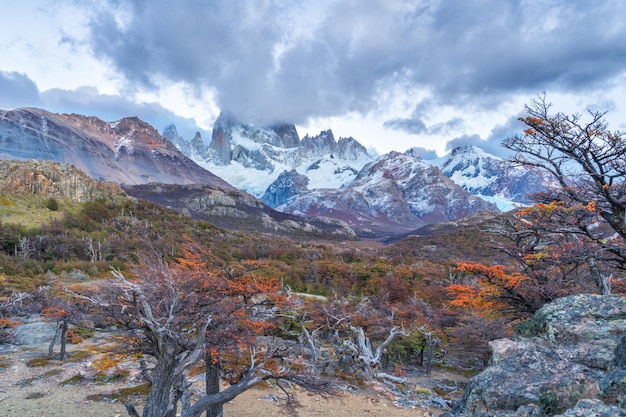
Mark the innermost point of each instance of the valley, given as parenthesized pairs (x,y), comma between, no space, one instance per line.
(386,275)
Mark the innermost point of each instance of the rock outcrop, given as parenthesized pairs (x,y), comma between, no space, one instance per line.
(287,185)
(235,210)
(52,179)
(569,360)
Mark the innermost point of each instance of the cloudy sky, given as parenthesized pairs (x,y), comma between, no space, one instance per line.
(394,74)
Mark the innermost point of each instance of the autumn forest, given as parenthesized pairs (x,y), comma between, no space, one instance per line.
(183,296)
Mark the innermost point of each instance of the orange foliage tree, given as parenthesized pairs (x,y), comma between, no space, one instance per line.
(563,244)
(183,310)
(492,291)
(588,163)
(553,251)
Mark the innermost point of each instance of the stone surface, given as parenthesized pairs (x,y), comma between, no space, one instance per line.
(33,331)
(613,385)
(571,350)
(52,179)
(593,408)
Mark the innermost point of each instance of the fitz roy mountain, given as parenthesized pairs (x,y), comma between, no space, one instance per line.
(316,183)
(132,153)
(252,158)
(320,176)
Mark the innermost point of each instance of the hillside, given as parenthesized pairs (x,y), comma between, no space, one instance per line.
(128,151)
(413,280)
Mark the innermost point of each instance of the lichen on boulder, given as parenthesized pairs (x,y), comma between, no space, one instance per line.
(570,350)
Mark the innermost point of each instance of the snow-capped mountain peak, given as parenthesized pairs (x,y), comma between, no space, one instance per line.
(492,178)
(254,157)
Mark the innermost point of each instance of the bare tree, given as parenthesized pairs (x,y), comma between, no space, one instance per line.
(369,357)
(587,160)
(181,313)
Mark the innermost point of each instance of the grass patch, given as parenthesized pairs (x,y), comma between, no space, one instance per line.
(5,201)
(51,372)
(84,332)
(40,361)
(28,210)
(422,391)
(73,380)
(113,377)
(78,355)
(124,394)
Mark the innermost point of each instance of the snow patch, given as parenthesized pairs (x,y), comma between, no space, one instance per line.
(124,142)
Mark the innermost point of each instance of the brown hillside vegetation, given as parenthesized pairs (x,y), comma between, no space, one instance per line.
(183,301)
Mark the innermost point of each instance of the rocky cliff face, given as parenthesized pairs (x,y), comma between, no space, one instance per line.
(287,185)
(569,359)
(52,179)
(235,210)
(228,134)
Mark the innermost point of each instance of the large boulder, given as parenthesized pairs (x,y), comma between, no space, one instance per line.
(569,351)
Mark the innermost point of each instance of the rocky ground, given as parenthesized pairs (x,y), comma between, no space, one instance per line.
(568,360)
(30,385)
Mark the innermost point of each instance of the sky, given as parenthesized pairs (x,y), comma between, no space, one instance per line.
(393,74)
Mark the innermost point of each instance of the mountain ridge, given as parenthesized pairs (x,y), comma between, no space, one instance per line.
(313,177)
(127,151)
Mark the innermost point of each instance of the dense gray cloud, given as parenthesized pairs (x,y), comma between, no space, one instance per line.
(410,125)
(17,90)
(492,144)
(274,60)
(114,107)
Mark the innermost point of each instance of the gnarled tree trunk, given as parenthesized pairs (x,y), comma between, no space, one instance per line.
(212,379)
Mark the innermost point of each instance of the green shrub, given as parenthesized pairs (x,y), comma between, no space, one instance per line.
(40,361)
(4,201)
(52,204)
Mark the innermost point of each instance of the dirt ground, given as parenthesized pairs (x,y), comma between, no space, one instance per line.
(67,389)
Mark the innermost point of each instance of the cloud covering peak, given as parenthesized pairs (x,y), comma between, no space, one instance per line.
(271,60)
(395,74)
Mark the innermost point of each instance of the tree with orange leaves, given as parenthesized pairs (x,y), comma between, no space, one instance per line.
(585,217)
(181,311)
(586,159)
(555,250)
(492,291)
(563,244)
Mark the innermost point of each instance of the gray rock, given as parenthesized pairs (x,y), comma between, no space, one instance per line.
(566,353)
(593,408)
(613,385)
(287,185)
(34,332)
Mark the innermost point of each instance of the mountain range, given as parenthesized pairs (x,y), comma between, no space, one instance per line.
(269,174)
(322,176)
